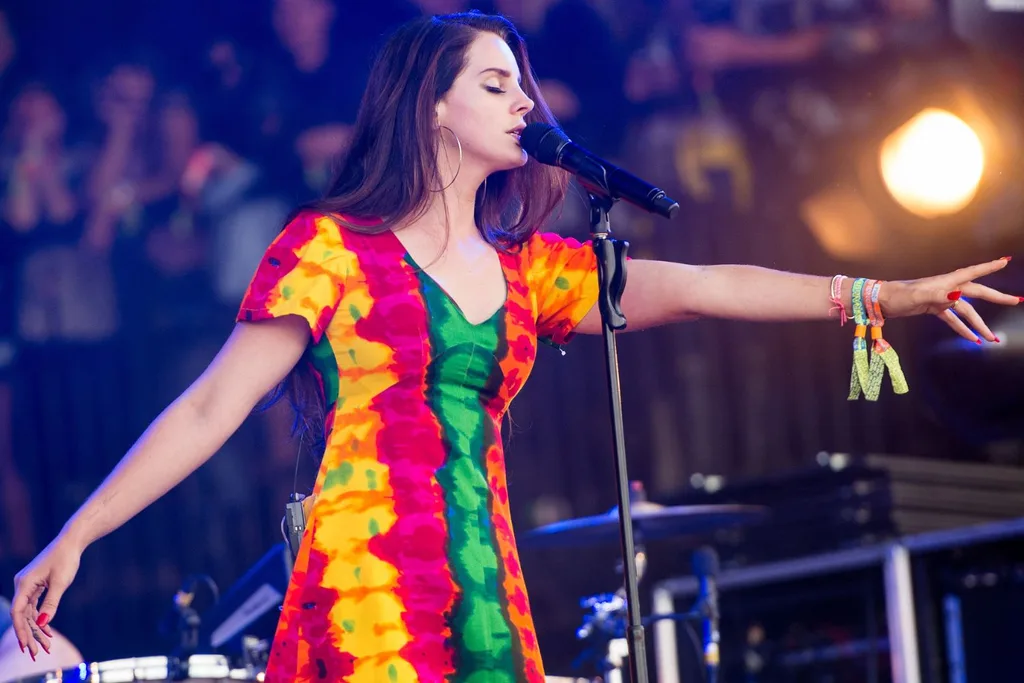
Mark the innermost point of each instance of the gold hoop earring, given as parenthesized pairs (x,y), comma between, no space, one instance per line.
(459,143)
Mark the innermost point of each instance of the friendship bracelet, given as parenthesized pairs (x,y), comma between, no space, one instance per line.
(867,376)
(859,371)
(875,309)
(884,356)
(869,314)
(876,368)
(836,297)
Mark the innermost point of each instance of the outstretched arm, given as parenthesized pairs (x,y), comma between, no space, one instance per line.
(254,359)
(659,292)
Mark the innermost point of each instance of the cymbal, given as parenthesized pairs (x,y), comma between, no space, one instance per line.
(651,522)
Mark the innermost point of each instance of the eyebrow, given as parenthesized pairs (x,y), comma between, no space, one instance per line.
(504,73)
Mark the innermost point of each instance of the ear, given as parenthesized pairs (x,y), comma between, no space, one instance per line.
(440,113)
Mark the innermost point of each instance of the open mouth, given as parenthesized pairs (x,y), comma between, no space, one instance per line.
(516,132)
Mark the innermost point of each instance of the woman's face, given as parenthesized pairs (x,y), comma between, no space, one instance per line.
(485,108)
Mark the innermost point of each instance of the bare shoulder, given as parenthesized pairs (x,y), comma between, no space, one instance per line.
(256,357)
(276,342)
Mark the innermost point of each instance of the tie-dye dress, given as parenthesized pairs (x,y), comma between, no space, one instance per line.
(408,570)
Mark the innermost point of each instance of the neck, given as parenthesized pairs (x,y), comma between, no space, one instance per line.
(458,224)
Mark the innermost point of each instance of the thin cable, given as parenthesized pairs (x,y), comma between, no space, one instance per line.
(295,476)
(698,648)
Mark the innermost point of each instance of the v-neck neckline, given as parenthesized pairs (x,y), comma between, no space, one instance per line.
(408,257)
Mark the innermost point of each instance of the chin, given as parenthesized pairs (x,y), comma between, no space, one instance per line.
(507,162)
(518,161)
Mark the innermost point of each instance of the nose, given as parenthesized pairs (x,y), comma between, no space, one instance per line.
(524,105)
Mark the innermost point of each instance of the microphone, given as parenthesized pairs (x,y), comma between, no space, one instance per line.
(705,566)
(551,146)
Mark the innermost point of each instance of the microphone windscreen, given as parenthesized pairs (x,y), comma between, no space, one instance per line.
(543,142)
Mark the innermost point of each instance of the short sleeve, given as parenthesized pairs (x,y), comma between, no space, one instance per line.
(302,272)
(562,273)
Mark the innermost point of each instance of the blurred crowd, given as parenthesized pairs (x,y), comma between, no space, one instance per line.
(151,151)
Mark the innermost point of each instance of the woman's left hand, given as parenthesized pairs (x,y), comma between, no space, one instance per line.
(941,295)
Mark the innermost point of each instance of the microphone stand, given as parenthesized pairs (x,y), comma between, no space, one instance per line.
(705,567)
(611,270)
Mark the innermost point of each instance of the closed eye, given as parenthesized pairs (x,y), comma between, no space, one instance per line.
(494,89)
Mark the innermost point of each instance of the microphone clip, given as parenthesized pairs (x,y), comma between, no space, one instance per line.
(294,523)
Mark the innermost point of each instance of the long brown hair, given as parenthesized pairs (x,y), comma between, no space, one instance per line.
(387,174)
(391,165)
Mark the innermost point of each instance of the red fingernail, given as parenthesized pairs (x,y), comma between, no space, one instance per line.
(1006,258)
(1020,299)
(997,339)
(21,646)
(978,342)
(42,619)
(953,296)
(45,649)
(31,655)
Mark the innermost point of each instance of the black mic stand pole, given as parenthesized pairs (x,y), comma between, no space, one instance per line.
(611,270)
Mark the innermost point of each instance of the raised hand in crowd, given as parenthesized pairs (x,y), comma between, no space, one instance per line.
(37,187)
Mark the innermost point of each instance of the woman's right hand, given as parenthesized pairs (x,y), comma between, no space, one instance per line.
(51,572)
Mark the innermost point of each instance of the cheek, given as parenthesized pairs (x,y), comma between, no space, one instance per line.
(474,129)
(475,117)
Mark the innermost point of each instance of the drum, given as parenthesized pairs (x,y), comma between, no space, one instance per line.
(198,669)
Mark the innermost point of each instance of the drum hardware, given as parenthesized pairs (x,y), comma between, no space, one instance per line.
(607,623)
(255,653)
(188,625)
(195,669)
(184,619)
(651,522)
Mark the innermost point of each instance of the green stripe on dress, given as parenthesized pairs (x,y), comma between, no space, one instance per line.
(484,651)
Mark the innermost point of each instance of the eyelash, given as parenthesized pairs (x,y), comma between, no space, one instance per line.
(491,88)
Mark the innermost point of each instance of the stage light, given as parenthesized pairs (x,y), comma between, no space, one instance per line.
(932,164)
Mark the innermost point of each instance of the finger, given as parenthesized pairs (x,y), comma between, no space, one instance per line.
(35,617)
(976,291)
(958,326)
(40,637)
(981,270)
(21,608)
(48,610)
(30,640)
(970,316)
(46,628)
(13,616)
(32,614)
